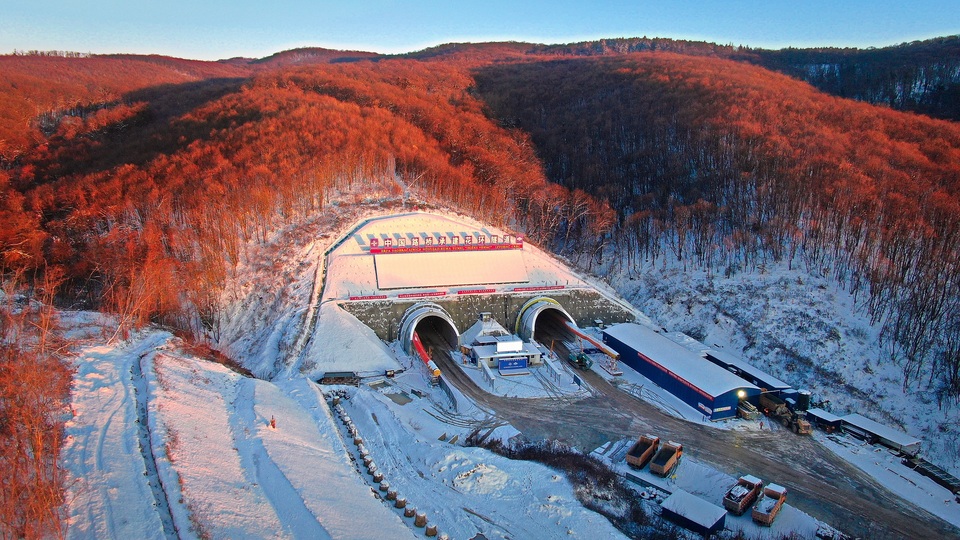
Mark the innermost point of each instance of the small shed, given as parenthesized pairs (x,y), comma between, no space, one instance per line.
(826,421)
(887,436)
(692,512)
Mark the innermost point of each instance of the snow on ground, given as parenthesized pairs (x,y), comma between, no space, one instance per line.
(464,491)
(341,341)
(804,330)
(880,463)
(543,380)
(223,471)
(352,269)
(710,485)
(226,472)
(109,492)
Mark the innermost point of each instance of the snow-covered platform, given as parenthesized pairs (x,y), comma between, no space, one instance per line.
(436,255)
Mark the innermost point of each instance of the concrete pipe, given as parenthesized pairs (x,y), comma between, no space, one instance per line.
(420,520)
(391,494)
(367,460)
(357,440)
(401,502)
(384,486)
(431,530)
(409,511)
(378,477)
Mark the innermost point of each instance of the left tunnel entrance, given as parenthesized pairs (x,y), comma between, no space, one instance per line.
(432,324)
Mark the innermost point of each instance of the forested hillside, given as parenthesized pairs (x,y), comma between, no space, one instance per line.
(922,76)
(109,165)
(134,184)
(727,165)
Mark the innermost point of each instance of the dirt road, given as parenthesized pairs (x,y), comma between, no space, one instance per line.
(821,484)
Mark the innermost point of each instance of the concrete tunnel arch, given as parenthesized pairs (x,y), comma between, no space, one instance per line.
(427,313)
(527,319)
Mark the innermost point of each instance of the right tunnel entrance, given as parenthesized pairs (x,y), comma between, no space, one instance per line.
(544,320)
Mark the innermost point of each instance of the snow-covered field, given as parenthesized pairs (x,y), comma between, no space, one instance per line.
(163,443)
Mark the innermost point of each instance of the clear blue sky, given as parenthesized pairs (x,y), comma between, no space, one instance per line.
(213,29)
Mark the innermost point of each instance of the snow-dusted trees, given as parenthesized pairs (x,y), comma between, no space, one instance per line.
(725,165)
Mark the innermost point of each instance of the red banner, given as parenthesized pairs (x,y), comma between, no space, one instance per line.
(443,248)
(422,294)
(371,297)
(542,288)
(477,291)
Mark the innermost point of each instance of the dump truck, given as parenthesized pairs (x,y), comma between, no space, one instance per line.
(666,458)
(772,498)
(778,409)
(742,494)
(640,453)
(581,360)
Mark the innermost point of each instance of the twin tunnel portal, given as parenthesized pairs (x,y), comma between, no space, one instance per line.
(541,319)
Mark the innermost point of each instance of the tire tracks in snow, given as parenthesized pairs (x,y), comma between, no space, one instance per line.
(286,501)
(146,447)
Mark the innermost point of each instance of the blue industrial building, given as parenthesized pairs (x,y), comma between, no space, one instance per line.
(705,386)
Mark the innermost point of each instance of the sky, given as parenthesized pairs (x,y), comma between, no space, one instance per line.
(217,29)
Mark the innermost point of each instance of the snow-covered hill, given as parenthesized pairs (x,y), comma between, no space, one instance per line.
(164,443)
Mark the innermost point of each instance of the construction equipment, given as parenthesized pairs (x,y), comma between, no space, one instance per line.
(747,411)
(742,494)
(771,500)
(581,360)
(640,453)
(778,409)
(666,458)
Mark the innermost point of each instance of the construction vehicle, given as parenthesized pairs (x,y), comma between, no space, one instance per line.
(742,494)
(581,360)
(666,458)
(640,453)
(771,500)
(747,411)
(432,369)
(774,407)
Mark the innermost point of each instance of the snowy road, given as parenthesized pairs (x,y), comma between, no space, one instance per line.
(821,484)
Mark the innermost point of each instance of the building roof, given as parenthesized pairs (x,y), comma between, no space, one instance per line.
(754,372)
(490,351)
(823,415)
(729,359)
(681,361)
(896,437)
(483,327)
(694,508)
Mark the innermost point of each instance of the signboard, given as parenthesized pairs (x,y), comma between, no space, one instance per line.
(541,288)
(370,297)
(436,242)
(476,291)
(422,294)
(507,364)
